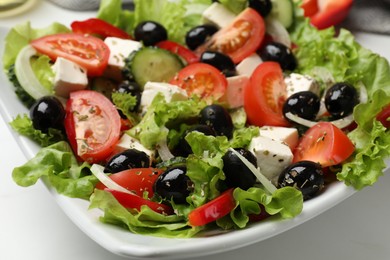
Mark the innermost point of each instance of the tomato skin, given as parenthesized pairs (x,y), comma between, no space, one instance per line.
(179,50)
(310,7)
(265,95)
(100,27)
(89,52)
(201,79)
(132,201)
(239,39)
(92,125)
(136,180)
(213,210)
(329,12)
(384,116)
(325,144)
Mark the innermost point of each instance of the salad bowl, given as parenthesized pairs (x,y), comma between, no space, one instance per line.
(124,243)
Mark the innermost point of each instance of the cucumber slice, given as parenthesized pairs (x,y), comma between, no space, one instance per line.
(283,10)
(153,64)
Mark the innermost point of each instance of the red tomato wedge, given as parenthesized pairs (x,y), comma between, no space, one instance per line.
(201,79)
(326,13)
(325,144)
(265,95)
(384,116)
(137,180)
(89,52)
(92,125)
(132,201)
(179,50)
(213,210)
(96,26)
(239,39)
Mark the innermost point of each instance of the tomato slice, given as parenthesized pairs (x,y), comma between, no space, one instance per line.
(92,125)
(384,116)
(201,79)
(179,50)
(329,12)
(132,201)
(325,144)
(98,26)
(213,210)
(89,52)
(265,95)
(137,180)
(239,39)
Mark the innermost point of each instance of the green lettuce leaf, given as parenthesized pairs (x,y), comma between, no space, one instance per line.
(57,165)
(42,70)
(177,17)
(145,222)
(21,35)
(125,102)
(23,125)
(236,6)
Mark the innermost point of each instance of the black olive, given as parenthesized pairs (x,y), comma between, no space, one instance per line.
(263,7)
(220,61)
(47,112)
(199,34)
(128,159)
(236,172)
(174,184)
(218,118)
(304,104)
(306,176)
(150,33)
(340,99)
(278,52)
(183,148)
(134,89)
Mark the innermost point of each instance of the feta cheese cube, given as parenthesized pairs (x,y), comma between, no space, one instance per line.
(170,92)
(286,135)
(68,77)
(235,90)
(296,83)
(120,49)
(272,156)
(248,65)
(128,142)
(218,15)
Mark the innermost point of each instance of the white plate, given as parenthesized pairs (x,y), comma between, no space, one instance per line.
(124,243)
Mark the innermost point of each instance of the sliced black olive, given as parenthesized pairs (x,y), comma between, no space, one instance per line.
(218,118)
(278,52)
(236,172)
(340,99)
(150,33)
(128,159)
(306,176)
(47,112)
(174,184)
(263,7)
(304,104)
(220,61)
(183,148)
(199,34)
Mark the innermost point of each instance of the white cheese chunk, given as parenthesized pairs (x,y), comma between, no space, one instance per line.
(272,156)
(128,142)
(296,83)
(170,92)
(68,77)
(248,65)
(218,15)
(120,49)
(235,90)
(286,135)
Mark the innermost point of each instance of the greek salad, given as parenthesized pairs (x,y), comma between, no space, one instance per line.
(183,116)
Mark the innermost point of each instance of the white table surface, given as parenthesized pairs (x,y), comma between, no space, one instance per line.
(33,227)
